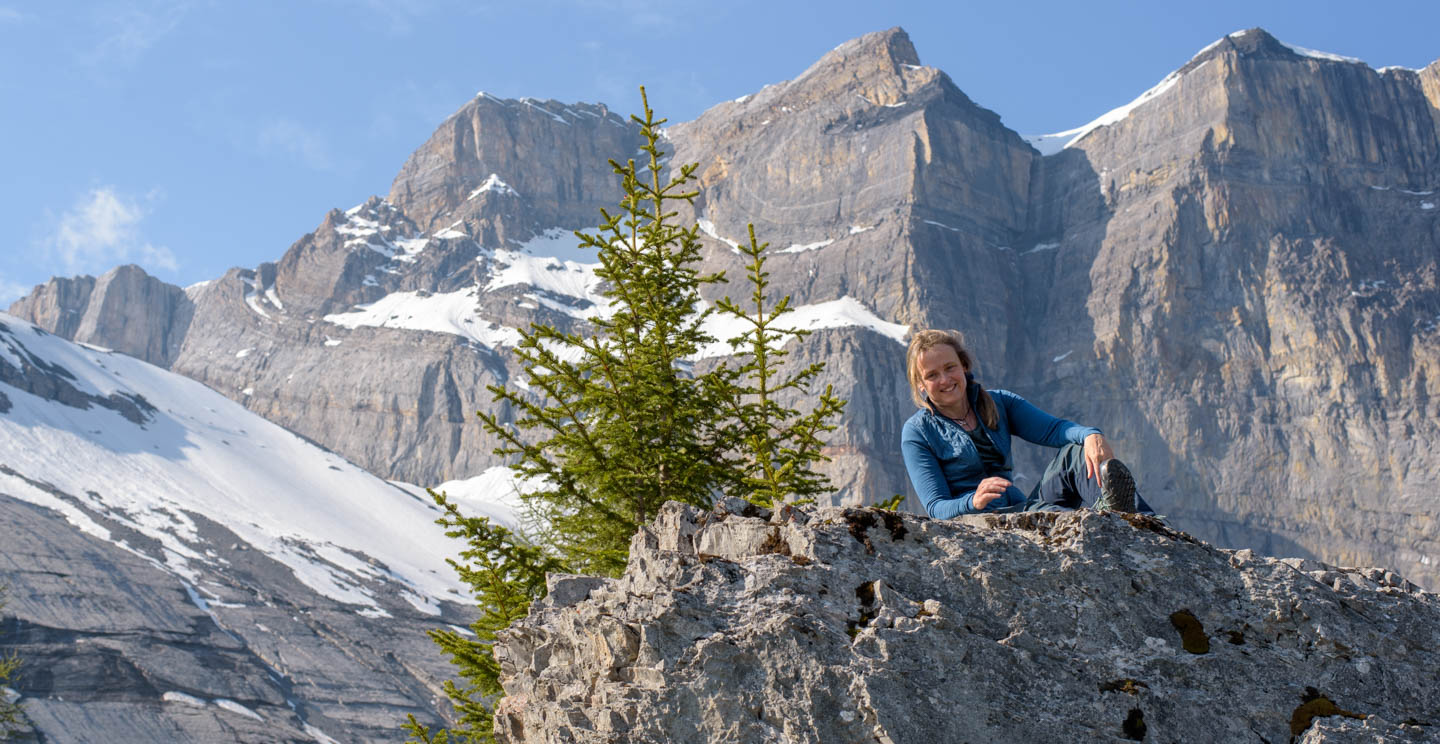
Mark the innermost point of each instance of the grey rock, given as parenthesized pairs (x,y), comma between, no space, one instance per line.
(856,625)
(125,309)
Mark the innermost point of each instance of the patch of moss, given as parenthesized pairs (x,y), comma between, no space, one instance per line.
(1314,704)
(895,523)
(1192,633)
(1134,726)
(1153,524)
(1127,686)
(866,594)
(860,522)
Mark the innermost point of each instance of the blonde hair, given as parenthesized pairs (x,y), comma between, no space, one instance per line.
(926,340)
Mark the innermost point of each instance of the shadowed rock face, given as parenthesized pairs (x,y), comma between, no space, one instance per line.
(855,625)
(1236,281)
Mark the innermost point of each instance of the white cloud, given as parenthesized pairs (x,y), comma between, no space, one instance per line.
(399,17)
(291,138)
(11,291)
(103,229)
(129,29)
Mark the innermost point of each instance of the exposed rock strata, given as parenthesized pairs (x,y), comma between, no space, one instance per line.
(117,650)
(855,625)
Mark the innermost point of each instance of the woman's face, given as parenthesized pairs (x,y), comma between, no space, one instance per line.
(943,377)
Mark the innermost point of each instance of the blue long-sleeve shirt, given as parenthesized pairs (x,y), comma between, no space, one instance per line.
(945,466)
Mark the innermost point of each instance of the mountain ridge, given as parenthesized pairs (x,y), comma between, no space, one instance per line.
(1198,276)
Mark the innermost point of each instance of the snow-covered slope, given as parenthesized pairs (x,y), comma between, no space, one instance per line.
(559,275)
(168,449)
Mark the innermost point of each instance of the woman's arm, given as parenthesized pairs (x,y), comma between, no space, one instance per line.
(929,480)
(1038,427)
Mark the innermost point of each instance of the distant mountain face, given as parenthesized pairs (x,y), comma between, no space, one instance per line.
(178,567)
(1234,276)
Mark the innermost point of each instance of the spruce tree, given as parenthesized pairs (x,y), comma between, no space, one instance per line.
(617,422)
(779,443)
(620,426)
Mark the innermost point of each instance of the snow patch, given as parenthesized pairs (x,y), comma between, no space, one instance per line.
(456,313)
(938,224)
(241,354)
(708,227)
(1049,144)
(180,697)
(846,312)
(235,707)
(1427,205)
(857,229)
(799,248)
(252,298)
(493,183)
(1041,247)
(318,735)
(1303,52)
(1061,358)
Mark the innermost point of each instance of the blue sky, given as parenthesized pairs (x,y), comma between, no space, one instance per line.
(189,136)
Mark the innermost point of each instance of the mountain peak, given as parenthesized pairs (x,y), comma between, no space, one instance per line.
(892,44)
(1257,42)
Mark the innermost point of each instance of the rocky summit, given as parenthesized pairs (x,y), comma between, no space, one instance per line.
(834,625)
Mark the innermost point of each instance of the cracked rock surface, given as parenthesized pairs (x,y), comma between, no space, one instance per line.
(857,625)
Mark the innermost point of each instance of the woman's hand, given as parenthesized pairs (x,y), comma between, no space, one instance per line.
(1097,450)
(989,490)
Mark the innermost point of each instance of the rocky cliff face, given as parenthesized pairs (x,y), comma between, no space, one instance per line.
(1234,276)
(125,309)
(1252,299)
(857,625)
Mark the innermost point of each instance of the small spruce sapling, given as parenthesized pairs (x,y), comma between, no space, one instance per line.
(505,574)
(780,444)
(12,718)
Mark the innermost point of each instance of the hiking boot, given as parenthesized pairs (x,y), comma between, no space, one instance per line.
(1117,487)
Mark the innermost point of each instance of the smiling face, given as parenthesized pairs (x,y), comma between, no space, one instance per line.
(942,377)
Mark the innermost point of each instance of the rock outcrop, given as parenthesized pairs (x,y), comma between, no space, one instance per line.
(125,309)
(858,625)
(1235,277)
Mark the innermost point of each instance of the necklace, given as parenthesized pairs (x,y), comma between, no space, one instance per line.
(962,420)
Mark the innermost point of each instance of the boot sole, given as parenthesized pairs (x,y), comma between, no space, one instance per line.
(1117,487)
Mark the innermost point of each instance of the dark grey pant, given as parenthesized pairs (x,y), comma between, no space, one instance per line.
(1064,487)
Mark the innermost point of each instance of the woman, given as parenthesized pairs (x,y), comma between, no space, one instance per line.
(957,446)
